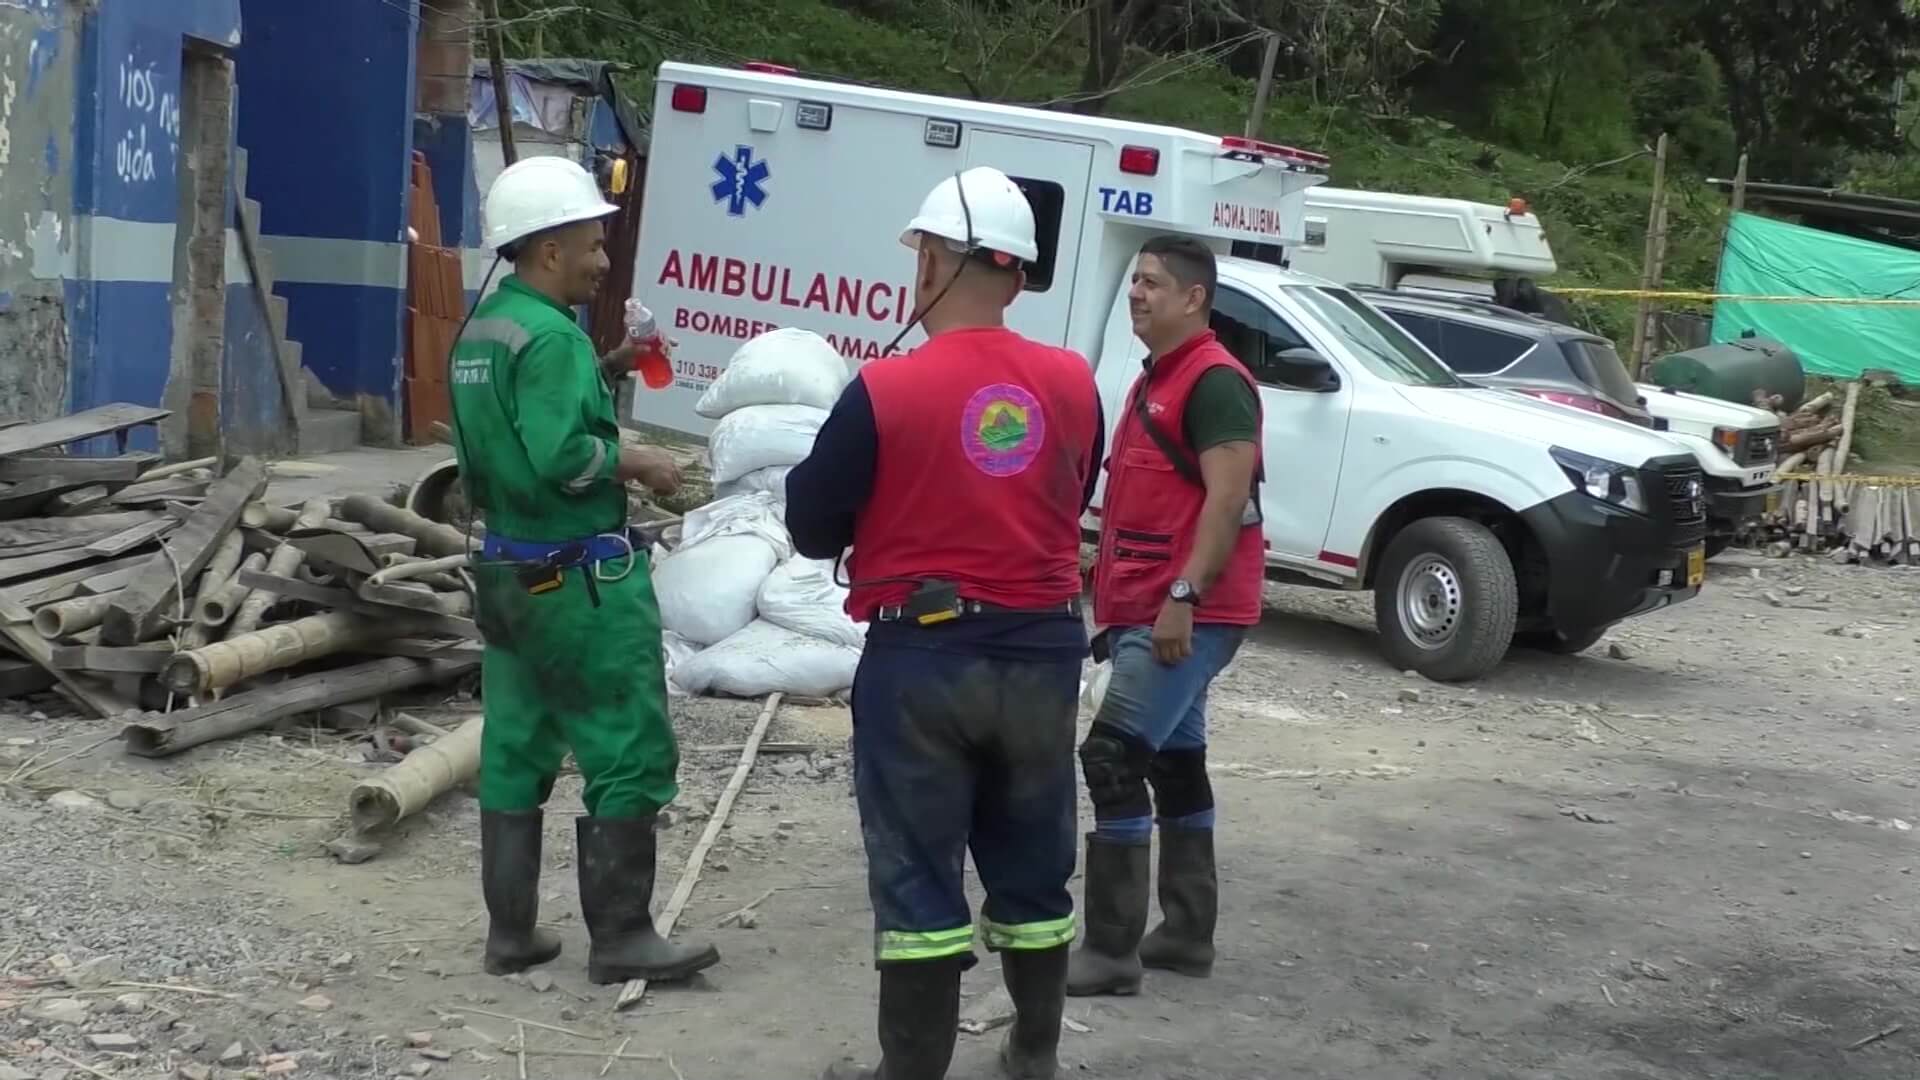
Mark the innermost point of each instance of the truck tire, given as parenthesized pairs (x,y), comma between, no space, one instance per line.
(1446,599)
(1559,642)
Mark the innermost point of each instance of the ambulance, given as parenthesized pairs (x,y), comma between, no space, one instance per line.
(1478,518)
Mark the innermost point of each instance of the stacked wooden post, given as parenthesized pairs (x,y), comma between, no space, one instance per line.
(188,602)
(1824,508)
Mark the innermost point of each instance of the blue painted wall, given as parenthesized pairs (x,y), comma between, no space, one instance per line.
(326,116)
(125,169)
(447,143)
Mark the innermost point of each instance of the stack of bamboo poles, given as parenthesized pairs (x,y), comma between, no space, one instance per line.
(211,609)
(1823,508)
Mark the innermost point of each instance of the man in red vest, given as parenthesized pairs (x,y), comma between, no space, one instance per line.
(958,473)
(1177,583)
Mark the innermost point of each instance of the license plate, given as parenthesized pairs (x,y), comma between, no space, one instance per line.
(1696,566)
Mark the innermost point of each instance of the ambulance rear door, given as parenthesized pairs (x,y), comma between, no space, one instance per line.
(1055,174)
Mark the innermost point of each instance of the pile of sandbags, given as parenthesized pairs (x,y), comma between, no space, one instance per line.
(742,614)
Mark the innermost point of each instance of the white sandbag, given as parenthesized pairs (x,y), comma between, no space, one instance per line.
(801,596)
(707,590)
(677,651)
(760,514)
(763,658)
(761,437)
(772,480)
(788,366)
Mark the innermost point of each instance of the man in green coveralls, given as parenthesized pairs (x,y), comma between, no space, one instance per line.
(565,598)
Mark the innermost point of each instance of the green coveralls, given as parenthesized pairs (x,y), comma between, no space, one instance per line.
(538,448)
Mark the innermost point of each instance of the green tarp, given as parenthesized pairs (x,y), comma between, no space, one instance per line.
(1765,257)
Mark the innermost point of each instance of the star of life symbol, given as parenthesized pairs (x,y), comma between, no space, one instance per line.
(741,182)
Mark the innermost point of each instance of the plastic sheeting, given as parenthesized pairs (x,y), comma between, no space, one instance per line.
(1765,257)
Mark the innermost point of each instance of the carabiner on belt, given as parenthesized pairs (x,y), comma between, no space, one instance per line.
(628,559)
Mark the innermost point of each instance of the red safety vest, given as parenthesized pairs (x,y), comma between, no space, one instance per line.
(1149,515)
(986,443)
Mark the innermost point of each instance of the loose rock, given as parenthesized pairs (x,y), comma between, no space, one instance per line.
(116,1042)
(1410,695)
(353,850)
(60,1011)
(73,800)
(541,982)
(233,1055)
(1619,652)
(316,1003)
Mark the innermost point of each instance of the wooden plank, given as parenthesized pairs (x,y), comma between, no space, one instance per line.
(28,496)
(31,565)
(142,604)
(157,735)
(424,649)
(128,539)
(104,420)
(81,501)
(111,581)
(341,599)
(94,526)
(124,469)
(159,491)
(20,677)
(16,598)
(90,692)
(143,659)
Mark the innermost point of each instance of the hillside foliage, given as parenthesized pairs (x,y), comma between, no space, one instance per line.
(1557,101)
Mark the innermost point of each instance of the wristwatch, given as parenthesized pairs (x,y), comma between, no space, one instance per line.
(1182,592)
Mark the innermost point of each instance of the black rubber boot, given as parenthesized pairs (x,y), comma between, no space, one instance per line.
(510,883)
(1037,982)
(616,885)
(1108,959)
(1189,905)
(919,1022)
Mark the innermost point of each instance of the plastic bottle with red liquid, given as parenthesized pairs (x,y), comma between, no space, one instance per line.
(650,362)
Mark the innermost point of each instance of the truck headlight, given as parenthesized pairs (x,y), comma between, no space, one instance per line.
(1728,440)
(1608,481)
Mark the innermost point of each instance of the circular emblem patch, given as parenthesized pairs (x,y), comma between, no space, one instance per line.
(1002,429)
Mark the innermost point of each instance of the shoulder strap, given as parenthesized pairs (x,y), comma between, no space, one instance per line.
(1183,460)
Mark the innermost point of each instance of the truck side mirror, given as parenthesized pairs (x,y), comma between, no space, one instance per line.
(1304,369)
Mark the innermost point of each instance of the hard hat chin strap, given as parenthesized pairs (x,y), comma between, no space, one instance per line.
(966,214)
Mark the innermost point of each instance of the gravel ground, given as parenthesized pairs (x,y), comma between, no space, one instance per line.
(1687,853)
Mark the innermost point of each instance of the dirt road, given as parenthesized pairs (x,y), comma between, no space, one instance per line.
(1690,858)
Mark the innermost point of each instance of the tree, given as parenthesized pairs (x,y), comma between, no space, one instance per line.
(1808,79)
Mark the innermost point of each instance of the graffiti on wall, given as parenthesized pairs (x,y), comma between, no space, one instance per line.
(153,121)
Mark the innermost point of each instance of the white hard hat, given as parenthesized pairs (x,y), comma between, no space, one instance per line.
(994,215)
(540,193)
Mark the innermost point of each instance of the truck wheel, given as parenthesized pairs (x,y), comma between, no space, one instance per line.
(1446,600)
(1560,642)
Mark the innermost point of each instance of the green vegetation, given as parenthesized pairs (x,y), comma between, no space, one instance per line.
(1555,101)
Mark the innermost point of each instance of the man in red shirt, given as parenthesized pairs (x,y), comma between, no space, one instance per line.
(1177,583)
(958,473)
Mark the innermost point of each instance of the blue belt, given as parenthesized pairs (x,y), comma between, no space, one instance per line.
(606,547)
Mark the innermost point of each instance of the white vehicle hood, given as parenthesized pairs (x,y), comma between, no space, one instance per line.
(1517,416)
(1705,412)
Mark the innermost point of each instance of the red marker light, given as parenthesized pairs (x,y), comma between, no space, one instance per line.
(1139,160)
(766,68)
(691,99)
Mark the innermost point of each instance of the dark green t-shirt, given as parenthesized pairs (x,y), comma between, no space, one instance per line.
(1221,409)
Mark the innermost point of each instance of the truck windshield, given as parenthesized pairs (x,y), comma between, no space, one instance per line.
(1376,340)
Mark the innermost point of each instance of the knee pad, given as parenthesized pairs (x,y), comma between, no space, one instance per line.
(1180,784)
(1115,764)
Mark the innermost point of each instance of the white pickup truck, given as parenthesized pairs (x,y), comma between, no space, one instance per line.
(1424,244)
(1479,518)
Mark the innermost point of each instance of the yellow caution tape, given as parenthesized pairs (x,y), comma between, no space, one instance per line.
(1849,478)
(1703,297)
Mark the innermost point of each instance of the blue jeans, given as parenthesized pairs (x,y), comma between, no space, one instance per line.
(1165,705)
(1152,729)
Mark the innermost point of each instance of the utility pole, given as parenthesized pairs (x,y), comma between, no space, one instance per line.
(1259,111)
(502,93)
(1650,259)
